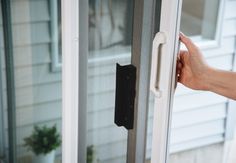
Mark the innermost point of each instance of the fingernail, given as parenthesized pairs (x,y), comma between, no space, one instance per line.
(181,33)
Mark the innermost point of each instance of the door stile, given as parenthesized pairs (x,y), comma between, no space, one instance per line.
(165,48)
(143,29)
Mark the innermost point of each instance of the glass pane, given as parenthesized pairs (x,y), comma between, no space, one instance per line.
(37,88)
(200,21)
(110,29)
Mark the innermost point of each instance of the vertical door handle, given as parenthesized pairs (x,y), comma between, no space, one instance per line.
(159,40)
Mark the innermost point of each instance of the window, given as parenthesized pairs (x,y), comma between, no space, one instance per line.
(202,22)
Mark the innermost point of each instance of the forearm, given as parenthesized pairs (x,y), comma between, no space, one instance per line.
(221,82)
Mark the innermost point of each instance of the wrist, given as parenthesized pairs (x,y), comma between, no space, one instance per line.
(207,78)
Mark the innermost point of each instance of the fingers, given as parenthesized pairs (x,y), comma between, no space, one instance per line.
(187,42)
(181,56)
(179,67)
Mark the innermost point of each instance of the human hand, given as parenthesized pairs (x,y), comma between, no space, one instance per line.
(192,68)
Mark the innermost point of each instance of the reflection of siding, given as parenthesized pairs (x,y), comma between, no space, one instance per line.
(198,118)
(38,90)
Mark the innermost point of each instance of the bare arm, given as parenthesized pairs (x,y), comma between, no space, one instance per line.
(222,82)
(196,74)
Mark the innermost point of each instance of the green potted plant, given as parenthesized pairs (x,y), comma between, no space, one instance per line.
(43,142)
(90,154)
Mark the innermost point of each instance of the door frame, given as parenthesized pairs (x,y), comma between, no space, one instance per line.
(71,134)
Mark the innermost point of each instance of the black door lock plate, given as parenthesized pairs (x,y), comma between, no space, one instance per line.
(125,95)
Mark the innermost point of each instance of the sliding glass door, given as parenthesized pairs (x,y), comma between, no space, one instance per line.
(122,32)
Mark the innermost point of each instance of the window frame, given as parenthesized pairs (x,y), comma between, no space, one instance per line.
(56,64)
(216,42)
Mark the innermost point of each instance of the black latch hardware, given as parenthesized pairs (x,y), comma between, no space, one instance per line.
(125,95)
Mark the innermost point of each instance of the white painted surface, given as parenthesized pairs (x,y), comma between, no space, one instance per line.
(70,81)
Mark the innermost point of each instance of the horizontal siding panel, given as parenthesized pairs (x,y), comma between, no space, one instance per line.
(193,117)
(101,119)
(103,83)
(101,136)
(187,102)
(103,101)
(188,145)
(102,70)
(230,10)
(27,56)
(36,75)
(197,131)
(110,151)
(109,68)
(29,11)
(201,115)
(29,34)
(32,55)
(196,143)
(36,94)
(37,114)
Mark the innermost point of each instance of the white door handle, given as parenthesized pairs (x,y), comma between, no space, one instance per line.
(159,39)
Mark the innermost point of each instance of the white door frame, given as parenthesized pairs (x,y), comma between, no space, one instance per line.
(70,80)
(165,48)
